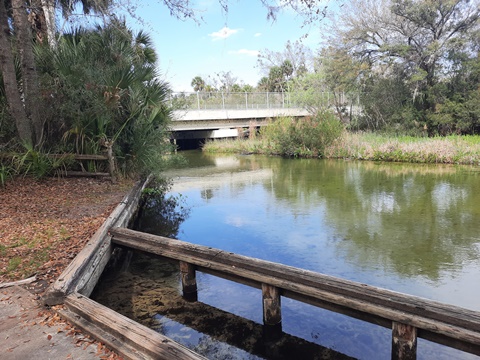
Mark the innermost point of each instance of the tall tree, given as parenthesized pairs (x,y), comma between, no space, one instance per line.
(7,67)
(198,84)
(296,56)
(416,34)
(30,88)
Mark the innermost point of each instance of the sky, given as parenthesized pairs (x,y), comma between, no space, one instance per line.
(221,42)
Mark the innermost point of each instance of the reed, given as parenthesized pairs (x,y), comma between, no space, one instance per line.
(369,146)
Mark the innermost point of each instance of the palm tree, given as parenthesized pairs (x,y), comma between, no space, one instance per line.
(105,92)
(198,84)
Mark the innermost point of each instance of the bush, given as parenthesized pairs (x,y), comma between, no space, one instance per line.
(306,137)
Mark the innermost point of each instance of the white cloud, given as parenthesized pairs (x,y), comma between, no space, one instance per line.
(245,52)
(257,34)
(223,33)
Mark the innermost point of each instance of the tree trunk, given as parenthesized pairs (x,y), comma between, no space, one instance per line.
(48,7)
(29,74)
(7,67)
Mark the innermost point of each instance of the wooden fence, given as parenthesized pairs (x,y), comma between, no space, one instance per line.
(408,316)
(79,158)
(84,157)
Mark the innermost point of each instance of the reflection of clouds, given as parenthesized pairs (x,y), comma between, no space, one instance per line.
(217,181)
(383,202)
(445,196)
(237,221)
(229,161)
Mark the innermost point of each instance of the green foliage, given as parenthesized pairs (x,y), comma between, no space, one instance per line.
(304,137)
(102,88)
(5,173)
(39,164)
(419,64)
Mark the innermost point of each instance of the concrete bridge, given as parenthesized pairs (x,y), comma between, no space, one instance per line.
(204,115)
(222,115)
(223,123)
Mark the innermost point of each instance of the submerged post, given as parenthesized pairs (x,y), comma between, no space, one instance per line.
(404,342)
(272,312)
(189,281)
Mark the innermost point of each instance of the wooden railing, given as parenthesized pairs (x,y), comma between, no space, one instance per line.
(79,158)
(408,316)
(86,157)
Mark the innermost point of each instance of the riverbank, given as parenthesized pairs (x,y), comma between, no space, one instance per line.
(367,146)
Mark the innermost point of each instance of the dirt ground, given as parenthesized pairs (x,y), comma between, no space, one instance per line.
(44,224)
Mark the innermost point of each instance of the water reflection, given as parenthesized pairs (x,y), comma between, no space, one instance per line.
(409,221)
(410,228)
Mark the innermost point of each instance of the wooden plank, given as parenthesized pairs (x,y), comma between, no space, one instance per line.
(125,330)
(404,342)
(89,263)
(238,264)
(452,322)
(126,351)
(83,174)
(79,156)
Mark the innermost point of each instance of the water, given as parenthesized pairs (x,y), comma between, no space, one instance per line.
(408,228)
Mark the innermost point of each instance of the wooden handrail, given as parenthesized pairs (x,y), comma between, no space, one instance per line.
(406,315)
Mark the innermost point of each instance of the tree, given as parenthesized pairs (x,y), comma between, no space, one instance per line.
(413,37)
(103,90)
(225,81)
(18,18)
(198,84)
(295,56)
(11,90)
(24,17)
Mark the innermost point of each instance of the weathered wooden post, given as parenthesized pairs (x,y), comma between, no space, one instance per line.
(189,281)
(111,160)
(404,342)
(272,312)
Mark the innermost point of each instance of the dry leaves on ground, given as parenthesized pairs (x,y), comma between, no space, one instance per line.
(44,224)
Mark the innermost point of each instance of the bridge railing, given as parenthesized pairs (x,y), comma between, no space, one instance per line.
(255,100)
(230,100)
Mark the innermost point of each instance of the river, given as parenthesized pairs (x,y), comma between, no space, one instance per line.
(406,227)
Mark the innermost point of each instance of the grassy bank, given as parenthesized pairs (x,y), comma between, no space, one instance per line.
(368,146)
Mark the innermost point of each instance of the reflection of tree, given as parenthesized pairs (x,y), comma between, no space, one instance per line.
(402,217)
(162,215)
(207,194)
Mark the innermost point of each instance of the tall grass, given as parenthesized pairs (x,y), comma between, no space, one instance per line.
(446,150)
(308,137)
(366,146)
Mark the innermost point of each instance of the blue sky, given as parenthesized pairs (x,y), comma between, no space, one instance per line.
(220,42)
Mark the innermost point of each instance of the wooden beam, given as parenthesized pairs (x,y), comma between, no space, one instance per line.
(455,325)
(404,342)
(127,331)
(79,156)
(84,174)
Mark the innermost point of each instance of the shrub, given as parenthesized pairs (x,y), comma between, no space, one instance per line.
(306,137)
